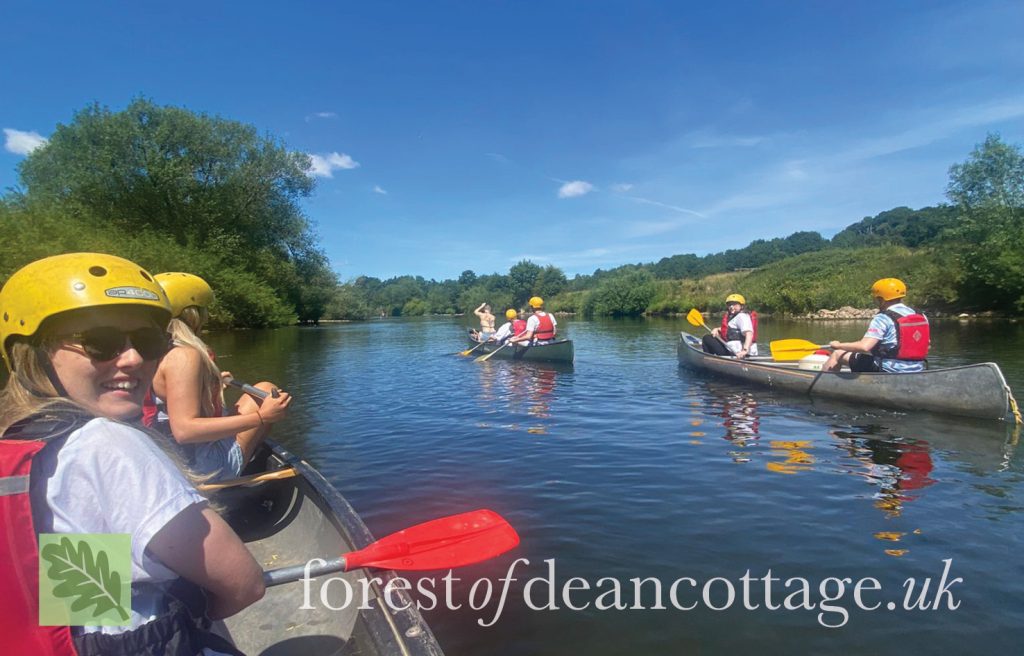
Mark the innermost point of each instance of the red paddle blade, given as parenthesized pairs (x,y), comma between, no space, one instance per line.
(444,543)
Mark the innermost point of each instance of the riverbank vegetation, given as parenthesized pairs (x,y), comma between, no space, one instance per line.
(176,190)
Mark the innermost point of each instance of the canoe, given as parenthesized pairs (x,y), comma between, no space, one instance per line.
(559,351)
(288,522)
(977,390)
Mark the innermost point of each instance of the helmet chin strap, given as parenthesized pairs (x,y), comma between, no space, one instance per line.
(44,361)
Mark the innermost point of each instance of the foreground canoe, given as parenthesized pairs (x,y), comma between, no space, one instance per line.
(977,390)
(560,351)
(288,522)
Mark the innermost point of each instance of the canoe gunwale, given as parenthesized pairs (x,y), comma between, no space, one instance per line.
(973,390)
(402,632)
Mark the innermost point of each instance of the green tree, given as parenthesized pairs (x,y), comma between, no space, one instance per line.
(522,279)
(200,183)
(625,295)
(988,190)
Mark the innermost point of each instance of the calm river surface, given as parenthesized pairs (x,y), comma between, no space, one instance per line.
(626,466)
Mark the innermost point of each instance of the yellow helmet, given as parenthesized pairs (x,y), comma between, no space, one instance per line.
(511,314)
(889,289)
(73,281)
(185,290)
(536,302)
(737,298)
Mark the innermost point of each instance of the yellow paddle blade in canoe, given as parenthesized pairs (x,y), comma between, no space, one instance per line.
(785,350)
(696,319)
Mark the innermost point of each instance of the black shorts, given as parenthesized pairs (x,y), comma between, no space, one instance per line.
(862,362)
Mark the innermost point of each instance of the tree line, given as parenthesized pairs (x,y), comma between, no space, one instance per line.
(178,190)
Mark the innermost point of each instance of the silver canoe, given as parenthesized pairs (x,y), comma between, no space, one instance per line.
(561,351)
(977,390)
(288,522)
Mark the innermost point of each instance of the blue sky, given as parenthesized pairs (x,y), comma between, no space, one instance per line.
(471,135)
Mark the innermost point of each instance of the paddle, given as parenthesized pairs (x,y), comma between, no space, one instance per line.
(249,389)
(444,543)
(253,479)
(468,351)
(784,350)
(487,356)
(697,319)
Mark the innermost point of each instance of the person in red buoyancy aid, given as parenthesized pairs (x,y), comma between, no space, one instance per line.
(81,336)
(189,389)
(541,327)
(514,326)
(897,340)
(737,335)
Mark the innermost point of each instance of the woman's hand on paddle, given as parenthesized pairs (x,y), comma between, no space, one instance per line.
(835,343)
(225,378)
(275,408)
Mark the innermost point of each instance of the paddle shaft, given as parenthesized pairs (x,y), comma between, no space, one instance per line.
(250,480)
(484,358)
(467,352)
(298,572)
(252,391)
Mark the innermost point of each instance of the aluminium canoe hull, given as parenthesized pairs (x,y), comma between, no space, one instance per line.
(288,522)
(560,351)
(977,390)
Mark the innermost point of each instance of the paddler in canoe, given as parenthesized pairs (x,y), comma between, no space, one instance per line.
(486,322)
(511,328)
(82,334)
(541,327)
(186,402)
(896,341)
(737,336)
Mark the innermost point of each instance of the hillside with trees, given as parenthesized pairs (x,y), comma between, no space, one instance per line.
(176,190)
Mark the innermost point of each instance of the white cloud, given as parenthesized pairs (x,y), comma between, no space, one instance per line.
(622,187)
(709,139)
(316,115)
(674,208)
(325,165)
(378,190)
(575,188)
(22,143)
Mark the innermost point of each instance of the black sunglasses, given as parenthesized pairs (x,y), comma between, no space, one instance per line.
(106,343)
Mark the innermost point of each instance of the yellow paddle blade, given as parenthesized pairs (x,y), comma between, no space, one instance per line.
(695,318)
(785,350)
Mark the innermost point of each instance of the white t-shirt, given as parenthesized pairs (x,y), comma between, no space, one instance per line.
(743,323)
(533,323)
(111,478)
(503,332)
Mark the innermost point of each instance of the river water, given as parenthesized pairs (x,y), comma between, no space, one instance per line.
(626,466)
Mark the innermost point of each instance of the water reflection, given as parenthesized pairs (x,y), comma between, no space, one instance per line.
(522,388)
(899,468)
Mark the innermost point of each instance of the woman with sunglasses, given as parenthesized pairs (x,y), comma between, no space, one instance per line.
(188,400)
(81,335)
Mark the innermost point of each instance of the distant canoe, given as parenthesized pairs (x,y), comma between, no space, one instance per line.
(560,351)
(977,390)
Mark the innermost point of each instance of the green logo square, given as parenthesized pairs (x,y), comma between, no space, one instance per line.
(85,579)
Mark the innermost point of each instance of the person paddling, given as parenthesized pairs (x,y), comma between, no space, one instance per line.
(897,339)
(738,333)
(81,335)
(514,326)
(187,400)
(541,327)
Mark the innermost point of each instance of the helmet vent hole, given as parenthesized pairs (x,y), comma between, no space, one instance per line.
(97,271)
(146,276)
(6,318)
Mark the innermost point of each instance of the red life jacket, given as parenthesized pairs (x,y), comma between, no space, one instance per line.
(545,328)
(181,631)
(913,337)
(518,327)
(19,566)
(724,332)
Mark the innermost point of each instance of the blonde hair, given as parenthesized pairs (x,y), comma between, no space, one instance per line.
(184,331)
